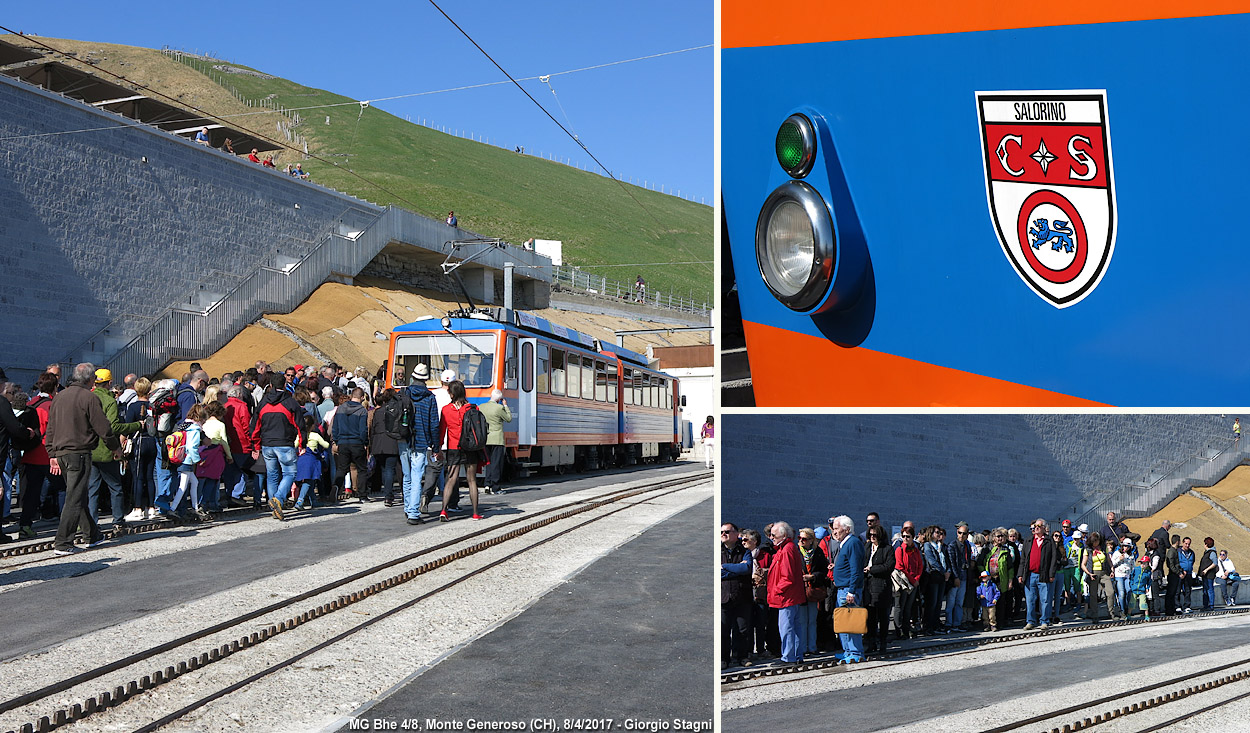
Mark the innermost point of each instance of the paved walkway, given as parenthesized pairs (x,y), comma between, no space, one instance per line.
(629,637)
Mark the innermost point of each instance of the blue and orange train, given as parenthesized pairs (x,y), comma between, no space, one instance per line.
(980,204)
(576,403)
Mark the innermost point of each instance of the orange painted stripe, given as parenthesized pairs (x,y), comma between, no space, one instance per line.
(862,377)
(746,23)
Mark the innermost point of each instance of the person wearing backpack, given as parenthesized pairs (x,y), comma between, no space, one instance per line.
(143,463)
(416,433)
(184,447)
(383,440)
(465,429)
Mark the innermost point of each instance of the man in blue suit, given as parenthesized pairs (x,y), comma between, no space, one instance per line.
(848,579)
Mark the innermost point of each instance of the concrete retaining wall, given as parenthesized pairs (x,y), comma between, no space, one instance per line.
(90,232)
(986,469)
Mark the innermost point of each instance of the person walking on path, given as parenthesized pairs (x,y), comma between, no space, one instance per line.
(76,424)
(708,435)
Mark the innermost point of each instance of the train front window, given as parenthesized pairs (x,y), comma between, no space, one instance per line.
(471,356)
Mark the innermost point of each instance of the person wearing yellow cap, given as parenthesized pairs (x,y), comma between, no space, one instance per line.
(105,469)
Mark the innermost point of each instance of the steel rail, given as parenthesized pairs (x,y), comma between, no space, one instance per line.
(963,644)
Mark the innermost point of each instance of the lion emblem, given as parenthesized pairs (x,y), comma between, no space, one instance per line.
(1062,234)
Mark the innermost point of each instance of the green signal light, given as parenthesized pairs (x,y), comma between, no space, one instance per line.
(789,146)
(796,145)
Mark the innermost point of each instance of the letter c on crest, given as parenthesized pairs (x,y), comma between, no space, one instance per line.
(1001,152)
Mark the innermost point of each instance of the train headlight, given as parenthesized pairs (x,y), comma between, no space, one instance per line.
(794,245)
(796,145)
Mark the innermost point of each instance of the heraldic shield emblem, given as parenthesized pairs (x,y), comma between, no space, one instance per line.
(1050,188)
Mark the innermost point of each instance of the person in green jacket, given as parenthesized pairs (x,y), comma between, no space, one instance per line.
(998,561)
(496,413)
(105,469)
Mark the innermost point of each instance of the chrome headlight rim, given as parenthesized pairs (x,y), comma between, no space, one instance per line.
(824,251)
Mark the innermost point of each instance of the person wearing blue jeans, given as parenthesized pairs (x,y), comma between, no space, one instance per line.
(1037,572)
(280,472)
(421,420)
(278,434)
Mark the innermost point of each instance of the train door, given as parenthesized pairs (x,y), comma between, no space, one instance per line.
(527,404)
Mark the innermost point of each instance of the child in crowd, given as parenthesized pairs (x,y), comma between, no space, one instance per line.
(193,429)
(214,454)
(308,465)
(1139,587)
(989,594)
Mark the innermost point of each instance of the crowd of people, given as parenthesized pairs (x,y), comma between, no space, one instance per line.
(781,589)
(283,441)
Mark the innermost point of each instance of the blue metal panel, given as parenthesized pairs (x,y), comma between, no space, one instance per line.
(1158,328)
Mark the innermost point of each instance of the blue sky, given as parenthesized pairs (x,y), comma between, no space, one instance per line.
(648,120)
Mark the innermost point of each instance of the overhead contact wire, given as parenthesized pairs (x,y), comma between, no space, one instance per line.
(549,115)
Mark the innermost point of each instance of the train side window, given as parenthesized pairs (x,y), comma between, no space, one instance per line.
(509,364)
(639,381)
(575,376)
(588,378)
(558,380)
(611,382)
(627,385)
(527,366)
(544,363)
(668,394)
(601,382)
(655,391)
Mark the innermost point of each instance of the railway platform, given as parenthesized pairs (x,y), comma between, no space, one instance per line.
(248,623)
(1116,677)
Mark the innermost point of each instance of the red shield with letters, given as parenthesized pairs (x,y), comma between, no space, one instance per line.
(1050,188)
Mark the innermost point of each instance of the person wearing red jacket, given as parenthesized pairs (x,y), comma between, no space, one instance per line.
(239,435)
(36,464)
(786,592)
(910,560)
(449,424)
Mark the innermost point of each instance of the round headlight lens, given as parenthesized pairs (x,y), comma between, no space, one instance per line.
(794,246)
(796,145)
(790,247)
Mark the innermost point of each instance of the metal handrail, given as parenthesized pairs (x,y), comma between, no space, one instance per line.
(1212,464)
(578,279)
(179,332)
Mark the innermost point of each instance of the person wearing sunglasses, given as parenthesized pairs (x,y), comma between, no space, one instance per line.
(735,598)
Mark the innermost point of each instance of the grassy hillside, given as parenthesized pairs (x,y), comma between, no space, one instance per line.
(493,191)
